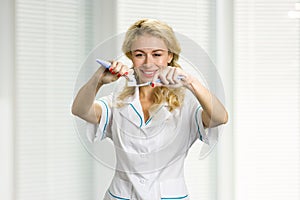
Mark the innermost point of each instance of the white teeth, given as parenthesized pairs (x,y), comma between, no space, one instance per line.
(149,73)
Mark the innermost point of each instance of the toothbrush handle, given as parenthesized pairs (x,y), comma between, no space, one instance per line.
(103,63)
(107,66)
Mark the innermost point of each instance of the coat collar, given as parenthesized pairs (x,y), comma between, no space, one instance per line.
(133,112)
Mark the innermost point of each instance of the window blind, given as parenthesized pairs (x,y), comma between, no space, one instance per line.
(266,100)
(196,20)
(52,39)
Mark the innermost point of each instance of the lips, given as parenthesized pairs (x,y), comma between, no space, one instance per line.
(148,73)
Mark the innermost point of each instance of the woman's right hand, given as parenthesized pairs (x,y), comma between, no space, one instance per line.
(84,105)
(116,70)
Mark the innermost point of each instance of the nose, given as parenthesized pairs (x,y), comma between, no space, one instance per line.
(149,59)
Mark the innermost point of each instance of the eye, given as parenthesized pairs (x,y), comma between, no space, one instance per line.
(157,55)
(138,55)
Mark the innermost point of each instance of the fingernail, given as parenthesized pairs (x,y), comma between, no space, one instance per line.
(152,84)
(126,73)
(110,69)
(119,75)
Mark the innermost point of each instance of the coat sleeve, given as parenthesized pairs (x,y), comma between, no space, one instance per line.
(193,115)
(102,129)
(209,136)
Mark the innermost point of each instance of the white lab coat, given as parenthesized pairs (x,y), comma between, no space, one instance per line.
(150,155)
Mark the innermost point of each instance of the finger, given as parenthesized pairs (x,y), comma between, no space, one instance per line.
(162,76)
(113,67)
(130,72)
(154,80)
(124,71)
(170,75)
(176,76)
(118,67)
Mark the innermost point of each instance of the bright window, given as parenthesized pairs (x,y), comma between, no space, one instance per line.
(266,100)
(52,39)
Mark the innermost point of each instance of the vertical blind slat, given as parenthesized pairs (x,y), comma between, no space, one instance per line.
(52,38)
(266,100)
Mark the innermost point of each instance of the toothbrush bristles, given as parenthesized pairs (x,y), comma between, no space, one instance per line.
(133,84)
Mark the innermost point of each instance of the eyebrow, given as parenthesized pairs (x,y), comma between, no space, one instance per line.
(152,51)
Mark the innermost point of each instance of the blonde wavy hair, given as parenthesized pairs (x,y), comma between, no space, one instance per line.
(173,96)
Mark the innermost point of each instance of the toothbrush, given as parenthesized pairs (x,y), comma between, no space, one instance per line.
(103,63)
(131,79)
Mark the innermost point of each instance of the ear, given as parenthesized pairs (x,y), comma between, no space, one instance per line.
(128,54)
(170,57)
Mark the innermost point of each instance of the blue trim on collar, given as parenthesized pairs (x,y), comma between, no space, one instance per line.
(106,120)
(141,124)
(148,121)
(198,126)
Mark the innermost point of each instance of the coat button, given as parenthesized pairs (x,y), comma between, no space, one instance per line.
(142,181)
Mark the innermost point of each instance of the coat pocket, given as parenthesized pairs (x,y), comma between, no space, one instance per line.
(173,189)
(120,189)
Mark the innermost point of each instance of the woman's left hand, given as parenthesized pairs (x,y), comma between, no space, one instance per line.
(171,77)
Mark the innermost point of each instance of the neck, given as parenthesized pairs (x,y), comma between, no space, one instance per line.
(146,93)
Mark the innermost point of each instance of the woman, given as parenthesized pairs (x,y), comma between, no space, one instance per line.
(154,126)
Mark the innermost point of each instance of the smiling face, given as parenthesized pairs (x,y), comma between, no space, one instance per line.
(149,54)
